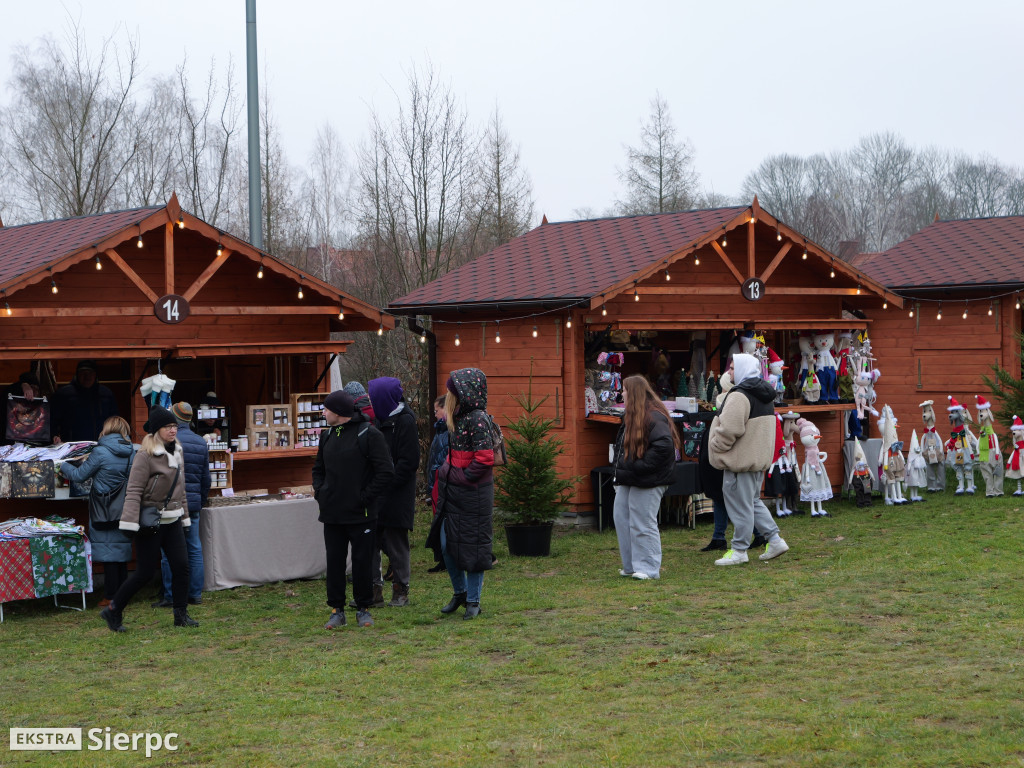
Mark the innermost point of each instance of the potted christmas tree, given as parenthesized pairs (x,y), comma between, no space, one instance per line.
(528,490)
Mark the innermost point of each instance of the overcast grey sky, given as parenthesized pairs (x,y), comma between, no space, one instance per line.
(573,79)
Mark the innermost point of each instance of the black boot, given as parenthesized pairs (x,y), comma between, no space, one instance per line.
(112,615)
(378,598)
(399,594)
(459,598)
(472,611)
(182,619)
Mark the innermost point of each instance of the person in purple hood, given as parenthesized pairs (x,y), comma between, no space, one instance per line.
(397,507)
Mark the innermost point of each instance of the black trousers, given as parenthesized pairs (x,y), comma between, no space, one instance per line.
(114,575)
(170,539)
(393,542)
(337,538)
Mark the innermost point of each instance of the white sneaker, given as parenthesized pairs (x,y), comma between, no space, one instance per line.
(732,557)
(775,548)
(625,573)
(640,576)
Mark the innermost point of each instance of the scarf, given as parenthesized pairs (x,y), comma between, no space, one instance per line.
(987,441)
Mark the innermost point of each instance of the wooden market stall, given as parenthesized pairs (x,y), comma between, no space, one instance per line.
(158,289)
(972,267)
(544,301)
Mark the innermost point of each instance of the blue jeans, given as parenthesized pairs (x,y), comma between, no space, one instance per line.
(472,582)
(195,561)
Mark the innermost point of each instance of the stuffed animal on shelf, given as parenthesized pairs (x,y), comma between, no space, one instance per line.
(861,475)
(933,449)
(825,365)
(1015,465)
(890,458)
(845,366)
(812,387)
(775,369)
(990,460)
(864,392)
(790,434)
(806,357)
(917,469)
(779,481)
(961,448)
(815,486)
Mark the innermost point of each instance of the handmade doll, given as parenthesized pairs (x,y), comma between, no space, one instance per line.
(845,366)
(815,486)
(806,357)
(864,392)
(825,365)
(890,459)
(990,460)
(917,469)
(933,449)
(1014,466)
(790,434)
(775,369)
(961,448)
(779,480)
(861,475)
(811,387)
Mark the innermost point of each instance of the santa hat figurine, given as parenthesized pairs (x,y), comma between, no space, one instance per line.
(1014,466)
(990,457)
(775,369)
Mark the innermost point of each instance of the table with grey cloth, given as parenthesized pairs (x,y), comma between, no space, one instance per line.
(262,542)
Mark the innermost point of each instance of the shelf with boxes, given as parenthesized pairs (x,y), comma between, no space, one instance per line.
(221,466)
(269,427)
(308,414)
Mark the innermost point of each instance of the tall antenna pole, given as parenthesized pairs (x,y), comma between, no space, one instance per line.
(253,103)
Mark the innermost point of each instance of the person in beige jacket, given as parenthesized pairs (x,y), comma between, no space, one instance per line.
(741,443)
(157,479)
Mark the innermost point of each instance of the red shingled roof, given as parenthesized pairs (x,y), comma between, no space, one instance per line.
(28,247)
(965,252)
(569,260)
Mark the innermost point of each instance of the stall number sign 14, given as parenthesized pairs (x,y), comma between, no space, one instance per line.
(171,308)
(753,289)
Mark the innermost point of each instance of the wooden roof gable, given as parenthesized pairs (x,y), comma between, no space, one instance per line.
(37,252)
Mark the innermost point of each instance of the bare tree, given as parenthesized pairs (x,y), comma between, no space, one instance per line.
(154,170)
(326,196)
(506,194)
(70,124)
(285,229)
(659,175)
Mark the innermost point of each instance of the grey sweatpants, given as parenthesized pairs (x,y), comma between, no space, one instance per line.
(636,524)
(742,493)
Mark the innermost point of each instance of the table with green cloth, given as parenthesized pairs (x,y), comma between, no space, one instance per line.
(41,566)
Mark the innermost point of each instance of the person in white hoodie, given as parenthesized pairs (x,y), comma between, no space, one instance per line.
(741,444)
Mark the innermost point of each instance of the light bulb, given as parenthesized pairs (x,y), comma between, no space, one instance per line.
(380,329)
(778,235)
(752,218)
(259,274)
(990,309)
(99,264)
(497,336)
(804,257)
(696,261)
(724,241)
(300,292)
(832,273)
(341,315)
(885,305)
(568,321)
(964,314)
(423,338)
(181,222)
(8,308)
(53,286)
(138,242)
(858,290)
(1017,306)
(457,342)
(911,312)
(220,249)
(604,313)
(938,315)
(636,296)
(535,331)
(667,276)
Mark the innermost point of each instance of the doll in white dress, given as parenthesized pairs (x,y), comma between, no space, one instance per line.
(815,486)
(1015,464)
(917,469)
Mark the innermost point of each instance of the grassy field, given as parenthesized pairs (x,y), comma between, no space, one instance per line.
(889,636)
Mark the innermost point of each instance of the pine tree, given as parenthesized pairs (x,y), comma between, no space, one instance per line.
(1008,390)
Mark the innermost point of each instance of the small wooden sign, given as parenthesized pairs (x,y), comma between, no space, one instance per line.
(753,289)
(171,308)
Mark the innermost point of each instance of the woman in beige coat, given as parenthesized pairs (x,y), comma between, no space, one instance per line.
(157,480)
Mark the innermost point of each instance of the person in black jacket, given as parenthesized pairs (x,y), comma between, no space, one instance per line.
(397,508)
(351,472)
(81,407)
(645,457)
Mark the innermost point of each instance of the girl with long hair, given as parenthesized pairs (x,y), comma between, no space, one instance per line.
(645,456)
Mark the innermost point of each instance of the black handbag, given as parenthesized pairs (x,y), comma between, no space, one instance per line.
(105,508)
(149,516)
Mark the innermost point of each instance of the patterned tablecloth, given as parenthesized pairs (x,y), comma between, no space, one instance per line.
(40,566)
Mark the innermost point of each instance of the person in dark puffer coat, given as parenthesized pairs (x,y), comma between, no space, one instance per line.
(465,491)
(397,508)
(197,491)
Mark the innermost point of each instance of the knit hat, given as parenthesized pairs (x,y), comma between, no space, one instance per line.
(450,386)
(182,412)
(159,418)
(983,403)
(341,403)
(355,389)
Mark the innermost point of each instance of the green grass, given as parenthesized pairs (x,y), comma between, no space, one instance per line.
(889,636)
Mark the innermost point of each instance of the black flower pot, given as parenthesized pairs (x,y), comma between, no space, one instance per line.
(529,540)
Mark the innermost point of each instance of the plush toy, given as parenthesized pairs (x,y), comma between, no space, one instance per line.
(861,475)
(825,365)
(864,392)
(961,448)
(1014,466)
(775,369)
(806,357)
(917,469)
(790,434)
(990,460)
(815,486)
(845,366)
(811,387)
(933,449)
(779,474)
(890,459)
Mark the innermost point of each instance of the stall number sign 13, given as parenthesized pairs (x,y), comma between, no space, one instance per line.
(753,289)
(171,308)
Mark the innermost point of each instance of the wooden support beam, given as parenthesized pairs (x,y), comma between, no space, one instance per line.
(776,261)
(131,274)
(750,247)
(169,258)
(143,310)
(728,263)
(204,278)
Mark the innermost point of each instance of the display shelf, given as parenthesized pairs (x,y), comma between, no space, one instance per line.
(221,461)
(308,418)
(274,453)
